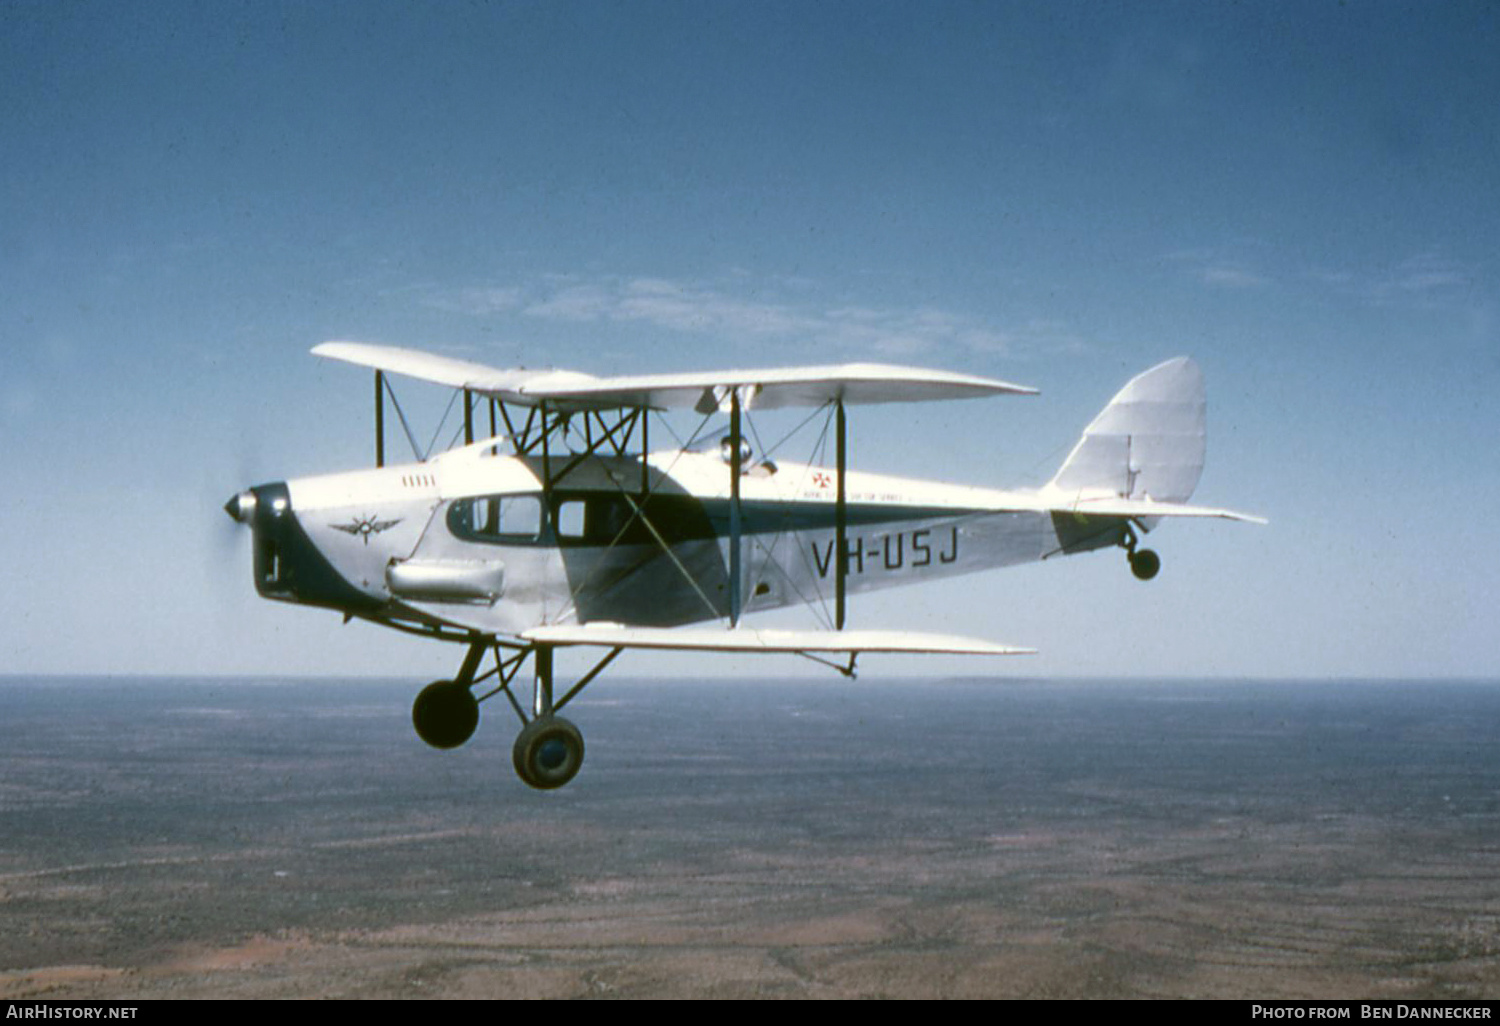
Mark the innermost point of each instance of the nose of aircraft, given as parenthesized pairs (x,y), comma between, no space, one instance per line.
(288,564)
(241,506)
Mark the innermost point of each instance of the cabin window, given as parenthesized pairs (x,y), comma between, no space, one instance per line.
(593,520)
(579,519)
(611,518)
(497,518)
(570,519)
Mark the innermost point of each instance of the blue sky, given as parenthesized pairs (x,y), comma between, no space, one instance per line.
(1301,195)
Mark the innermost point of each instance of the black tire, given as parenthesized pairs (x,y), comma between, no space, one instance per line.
(1145,564)
(548,753)
(445,714)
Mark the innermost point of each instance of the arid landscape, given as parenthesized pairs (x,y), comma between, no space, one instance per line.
(877,838)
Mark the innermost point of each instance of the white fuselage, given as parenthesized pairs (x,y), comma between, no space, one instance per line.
(474,541)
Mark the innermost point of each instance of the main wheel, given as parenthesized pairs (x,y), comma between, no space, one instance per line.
(445,714)
(1144,564)
(548,753)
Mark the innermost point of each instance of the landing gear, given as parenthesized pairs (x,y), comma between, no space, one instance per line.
(548,752)
(1144,563)
(445,714)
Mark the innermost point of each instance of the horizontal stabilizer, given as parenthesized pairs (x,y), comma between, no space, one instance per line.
(1136,509)
(701,639)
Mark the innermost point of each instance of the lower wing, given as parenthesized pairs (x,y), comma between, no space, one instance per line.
(705,639)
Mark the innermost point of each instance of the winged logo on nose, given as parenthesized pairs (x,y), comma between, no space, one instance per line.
(363,527)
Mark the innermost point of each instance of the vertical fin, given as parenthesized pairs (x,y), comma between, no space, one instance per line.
(1148,442)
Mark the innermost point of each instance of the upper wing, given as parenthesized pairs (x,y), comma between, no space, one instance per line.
(741,639)
(771,388)
(445,370)
(778,387)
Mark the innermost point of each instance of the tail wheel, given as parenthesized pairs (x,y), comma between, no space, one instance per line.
(445,714)
(1144,564)
(548,753)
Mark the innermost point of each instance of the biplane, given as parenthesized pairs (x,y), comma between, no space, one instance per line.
(562,527)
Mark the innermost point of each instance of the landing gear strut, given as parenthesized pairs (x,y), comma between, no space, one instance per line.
(446,712)
(548,752)
(1144,563)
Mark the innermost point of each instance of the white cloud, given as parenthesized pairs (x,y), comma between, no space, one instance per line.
(1426,275)
(1426,280)
(575,303)
(1233,277)
(738,312)
(477,302)
(1216,270)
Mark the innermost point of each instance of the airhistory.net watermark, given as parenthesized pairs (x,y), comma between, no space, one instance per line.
(44,1011)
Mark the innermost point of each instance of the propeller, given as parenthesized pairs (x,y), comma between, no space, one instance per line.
(230,542)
